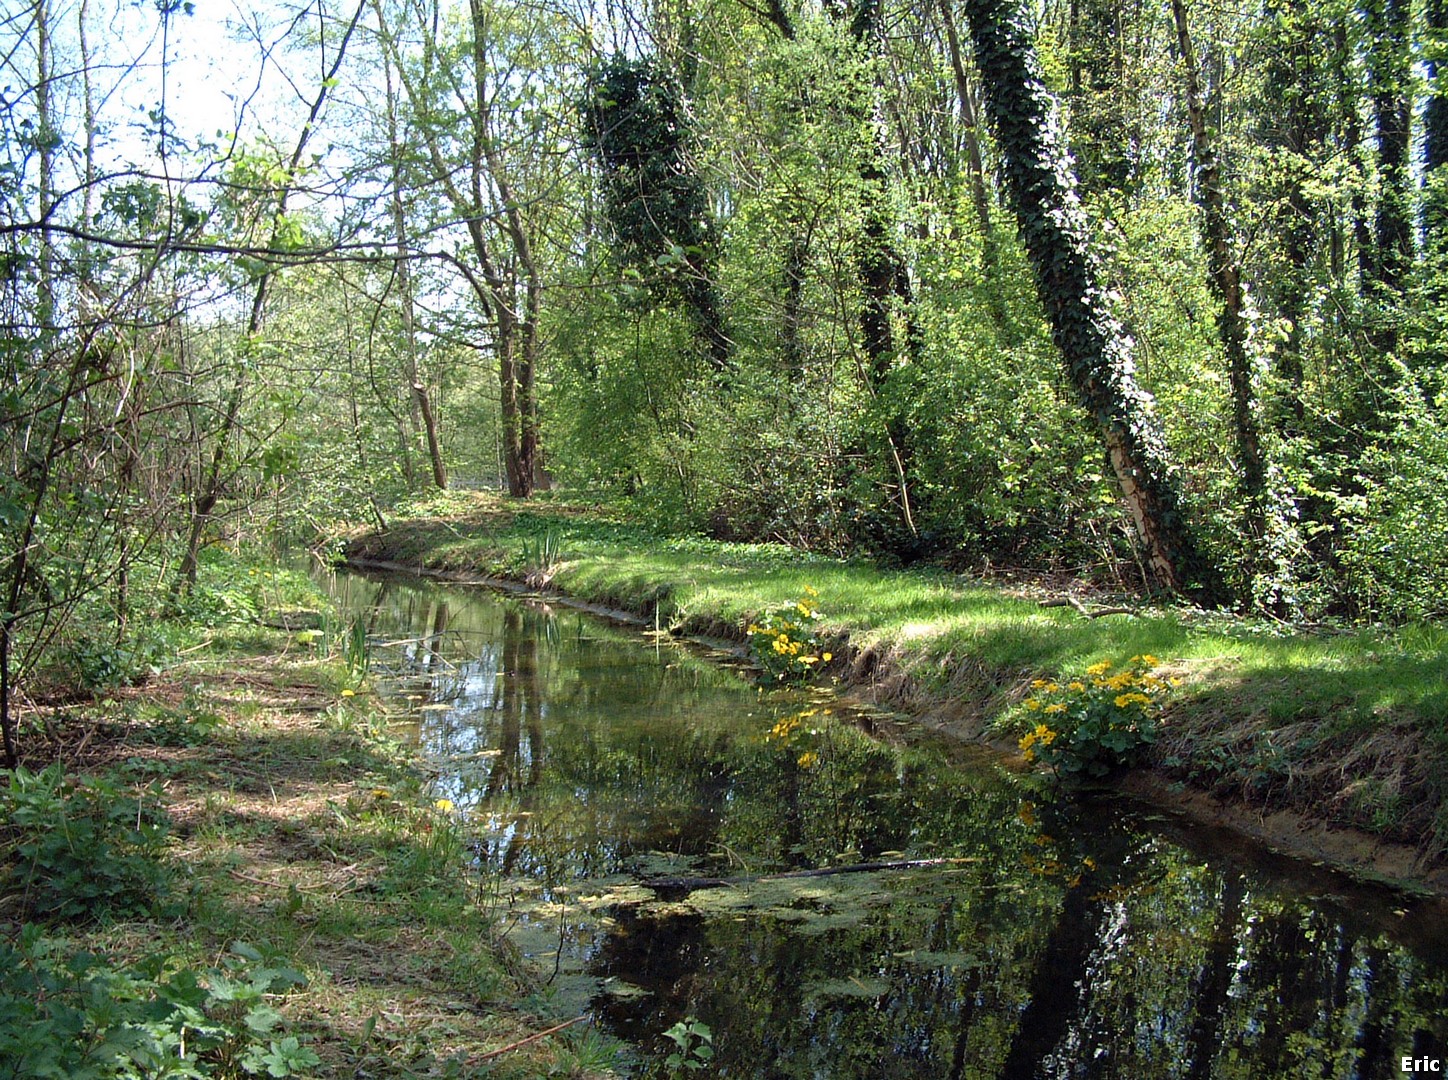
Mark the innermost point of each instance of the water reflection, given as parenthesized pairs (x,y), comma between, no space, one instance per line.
(1068,940)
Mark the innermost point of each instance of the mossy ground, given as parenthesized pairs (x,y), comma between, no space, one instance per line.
(1345,726)
(300,828)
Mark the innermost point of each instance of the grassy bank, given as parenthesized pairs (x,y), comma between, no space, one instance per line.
(1348,728)
(241,869)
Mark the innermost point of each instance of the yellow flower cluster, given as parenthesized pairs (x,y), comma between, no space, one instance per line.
(1096,721)
(1136,674)
(783,643)
(1042,734)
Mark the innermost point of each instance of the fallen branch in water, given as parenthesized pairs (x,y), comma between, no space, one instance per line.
(822,871)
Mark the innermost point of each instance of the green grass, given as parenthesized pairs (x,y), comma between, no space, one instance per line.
(1290,719)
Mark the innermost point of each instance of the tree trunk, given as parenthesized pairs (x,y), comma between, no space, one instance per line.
(1435,113)
(1435,145)
(1297,128)
(970,128)
(1236,321)
(204,501)
(1095,348)
(1237,315)
(885,284)
(46,146)
(1389,78)
(517,363)
(429,427)
(421,407)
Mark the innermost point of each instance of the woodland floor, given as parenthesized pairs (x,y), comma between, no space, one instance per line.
(300,828)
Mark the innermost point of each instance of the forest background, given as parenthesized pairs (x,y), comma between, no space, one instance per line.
(763,271)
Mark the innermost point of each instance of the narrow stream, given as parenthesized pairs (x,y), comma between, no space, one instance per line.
(656,821)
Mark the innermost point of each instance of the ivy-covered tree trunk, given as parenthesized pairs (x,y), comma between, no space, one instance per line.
(1265,511)
(1435,137)
(1297,130)
(1237,315)
(980,193)
(637,126)
(1105,126)
(1093,344)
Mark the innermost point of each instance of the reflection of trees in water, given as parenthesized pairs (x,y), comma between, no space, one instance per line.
(1144,968)
(1214,979)
(1151,965)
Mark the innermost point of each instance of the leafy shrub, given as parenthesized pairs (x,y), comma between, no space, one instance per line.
(75,849)
(784,642)
(1394,558)
(1095,723)
(79,1017)
(99,663)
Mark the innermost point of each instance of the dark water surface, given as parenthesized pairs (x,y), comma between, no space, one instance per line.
(651,812)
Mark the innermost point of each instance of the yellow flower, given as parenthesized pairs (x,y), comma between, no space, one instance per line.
(808,760)
(1045,735)
(1059,706)
(1036,684)
(804,609)
(1077,686)
(1099,669)
(349,692)
(1032,704)
(827,657)
(810,591)
(445,805)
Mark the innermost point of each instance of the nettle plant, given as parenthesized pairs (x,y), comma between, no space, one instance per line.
(1096,723)
(785,643)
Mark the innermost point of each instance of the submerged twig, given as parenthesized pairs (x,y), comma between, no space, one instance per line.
(532,1038)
